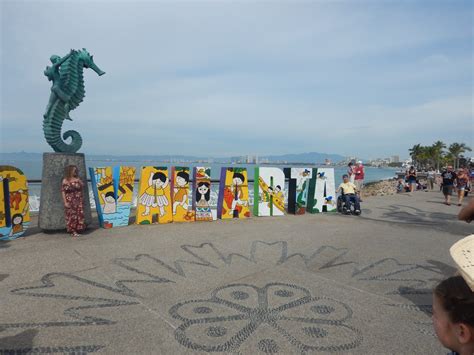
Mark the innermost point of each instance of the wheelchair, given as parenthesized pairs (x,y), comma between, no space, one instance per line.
(341,206)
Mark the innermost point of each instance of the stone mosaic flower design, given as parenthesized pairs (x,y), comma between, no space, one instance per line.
(278,317)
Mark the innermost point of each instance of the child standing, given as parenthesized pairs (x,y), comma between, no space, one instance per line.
(453,302)
(453,315)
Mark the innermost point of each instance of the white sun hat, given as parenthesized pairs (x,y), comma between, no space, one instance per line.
(462,253)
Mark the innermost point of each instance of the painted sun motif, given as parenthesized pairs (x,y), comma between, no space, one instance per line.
(234,312)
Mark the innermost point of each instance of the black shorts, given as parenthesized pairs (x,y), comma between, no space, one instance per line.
(448,190)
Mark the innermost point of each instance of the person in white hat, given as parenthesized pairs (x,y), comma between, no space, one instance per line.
(359,177)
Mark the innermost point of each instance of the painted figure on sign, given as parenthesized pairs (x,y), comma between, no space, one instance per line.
(17,224)
(301,187)
(233,194)
(203,194)
(276,192)
(238,180)
(14,205)
(15,199)
(201,173)
(180,197)
(154,195)
(269,197)
(113,194)
(322,191)
(110,203)
(298,185)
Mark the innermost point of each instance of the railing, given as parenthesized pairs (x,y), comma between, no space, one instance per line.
(34,193)
(213,181)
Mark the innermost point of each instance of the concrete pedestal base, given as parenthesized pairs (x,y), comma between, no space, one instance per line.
(51,213)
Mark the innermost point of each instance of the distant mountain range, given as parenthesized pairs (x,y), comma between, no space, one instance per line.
(311,157)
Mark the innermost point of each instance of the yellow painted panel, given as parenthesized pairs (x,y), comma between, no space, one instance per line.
(154,196)
(3,219)
(235,194)
(16,204)
(182,208)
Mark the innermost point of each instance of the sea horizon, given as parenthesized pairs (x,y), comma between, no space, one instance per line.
(32,168)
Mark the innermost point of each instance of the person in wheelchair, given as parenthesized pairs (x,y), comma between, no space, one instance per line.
(348,197)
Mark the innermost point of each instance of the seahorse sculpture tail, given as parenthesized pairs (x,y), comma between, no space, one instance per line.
(52,125)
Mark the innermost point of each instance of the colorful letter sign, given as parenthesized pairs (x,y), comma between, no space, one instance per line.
(322,191)
(297,189)
(268,196)
(154,196)
(14,205)
(202,193)
(113,192)
(233,199)
(182,208)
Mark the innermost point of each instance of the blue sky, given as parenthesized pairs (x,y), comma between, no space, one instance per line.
(218,78)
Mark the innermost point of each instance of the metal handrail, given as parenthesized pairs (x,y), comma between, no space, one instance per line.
(38,181)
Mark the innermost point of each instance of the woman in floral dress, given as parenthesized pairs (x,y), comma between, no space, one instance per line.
(72,192)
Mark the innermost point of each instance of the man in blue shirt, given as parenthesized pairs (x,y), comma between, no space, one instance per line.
(448,184)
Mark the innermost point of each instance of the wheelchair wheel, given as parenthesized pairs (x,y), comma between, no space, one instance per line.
(340,205)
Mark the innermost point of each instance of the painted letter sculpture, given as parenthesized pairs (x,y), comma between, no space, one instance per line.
(14,205)
(67,93)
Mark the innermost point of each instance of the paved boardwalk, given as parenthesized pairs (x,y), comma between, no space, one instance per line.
(293,284)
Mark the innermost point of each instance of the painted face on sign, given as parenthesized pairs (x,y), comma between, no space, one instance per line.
(203,189)
(109,197)
(237,181)
(180,181)
(17,219)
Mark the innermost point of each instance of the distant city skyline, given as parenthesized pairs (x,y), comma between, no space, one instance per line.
(235,78)
(313,157)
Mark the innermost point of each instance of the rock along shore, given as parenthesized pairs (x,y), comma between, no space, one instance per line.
(380,188)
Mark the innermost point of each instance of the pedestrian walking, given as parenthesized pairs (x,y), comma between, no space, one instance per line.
(431,177)
(448,176)
(411,177)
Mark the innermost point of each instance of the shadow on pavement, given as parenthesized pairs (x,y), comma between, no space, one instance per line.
(22,341)
(409,215)
(420,298)
(445,269)
(4,244)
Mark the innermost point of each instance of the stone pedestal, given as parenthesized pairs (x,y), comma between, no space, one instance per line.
(51,213)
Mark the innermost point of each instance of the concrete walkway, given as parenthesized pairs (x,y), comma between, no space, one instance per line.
(293,284)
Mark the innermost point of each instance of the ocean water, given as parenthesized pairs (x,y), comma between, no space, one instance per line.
(32,170)
(120,217)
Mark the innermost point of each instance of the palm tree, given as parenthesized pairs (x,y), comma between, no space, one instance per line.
(438,147)
(429,156)
(415,153)
(456,150)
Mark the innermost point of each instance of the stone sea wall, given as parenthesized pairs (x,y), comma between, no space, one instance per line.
(380,188)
